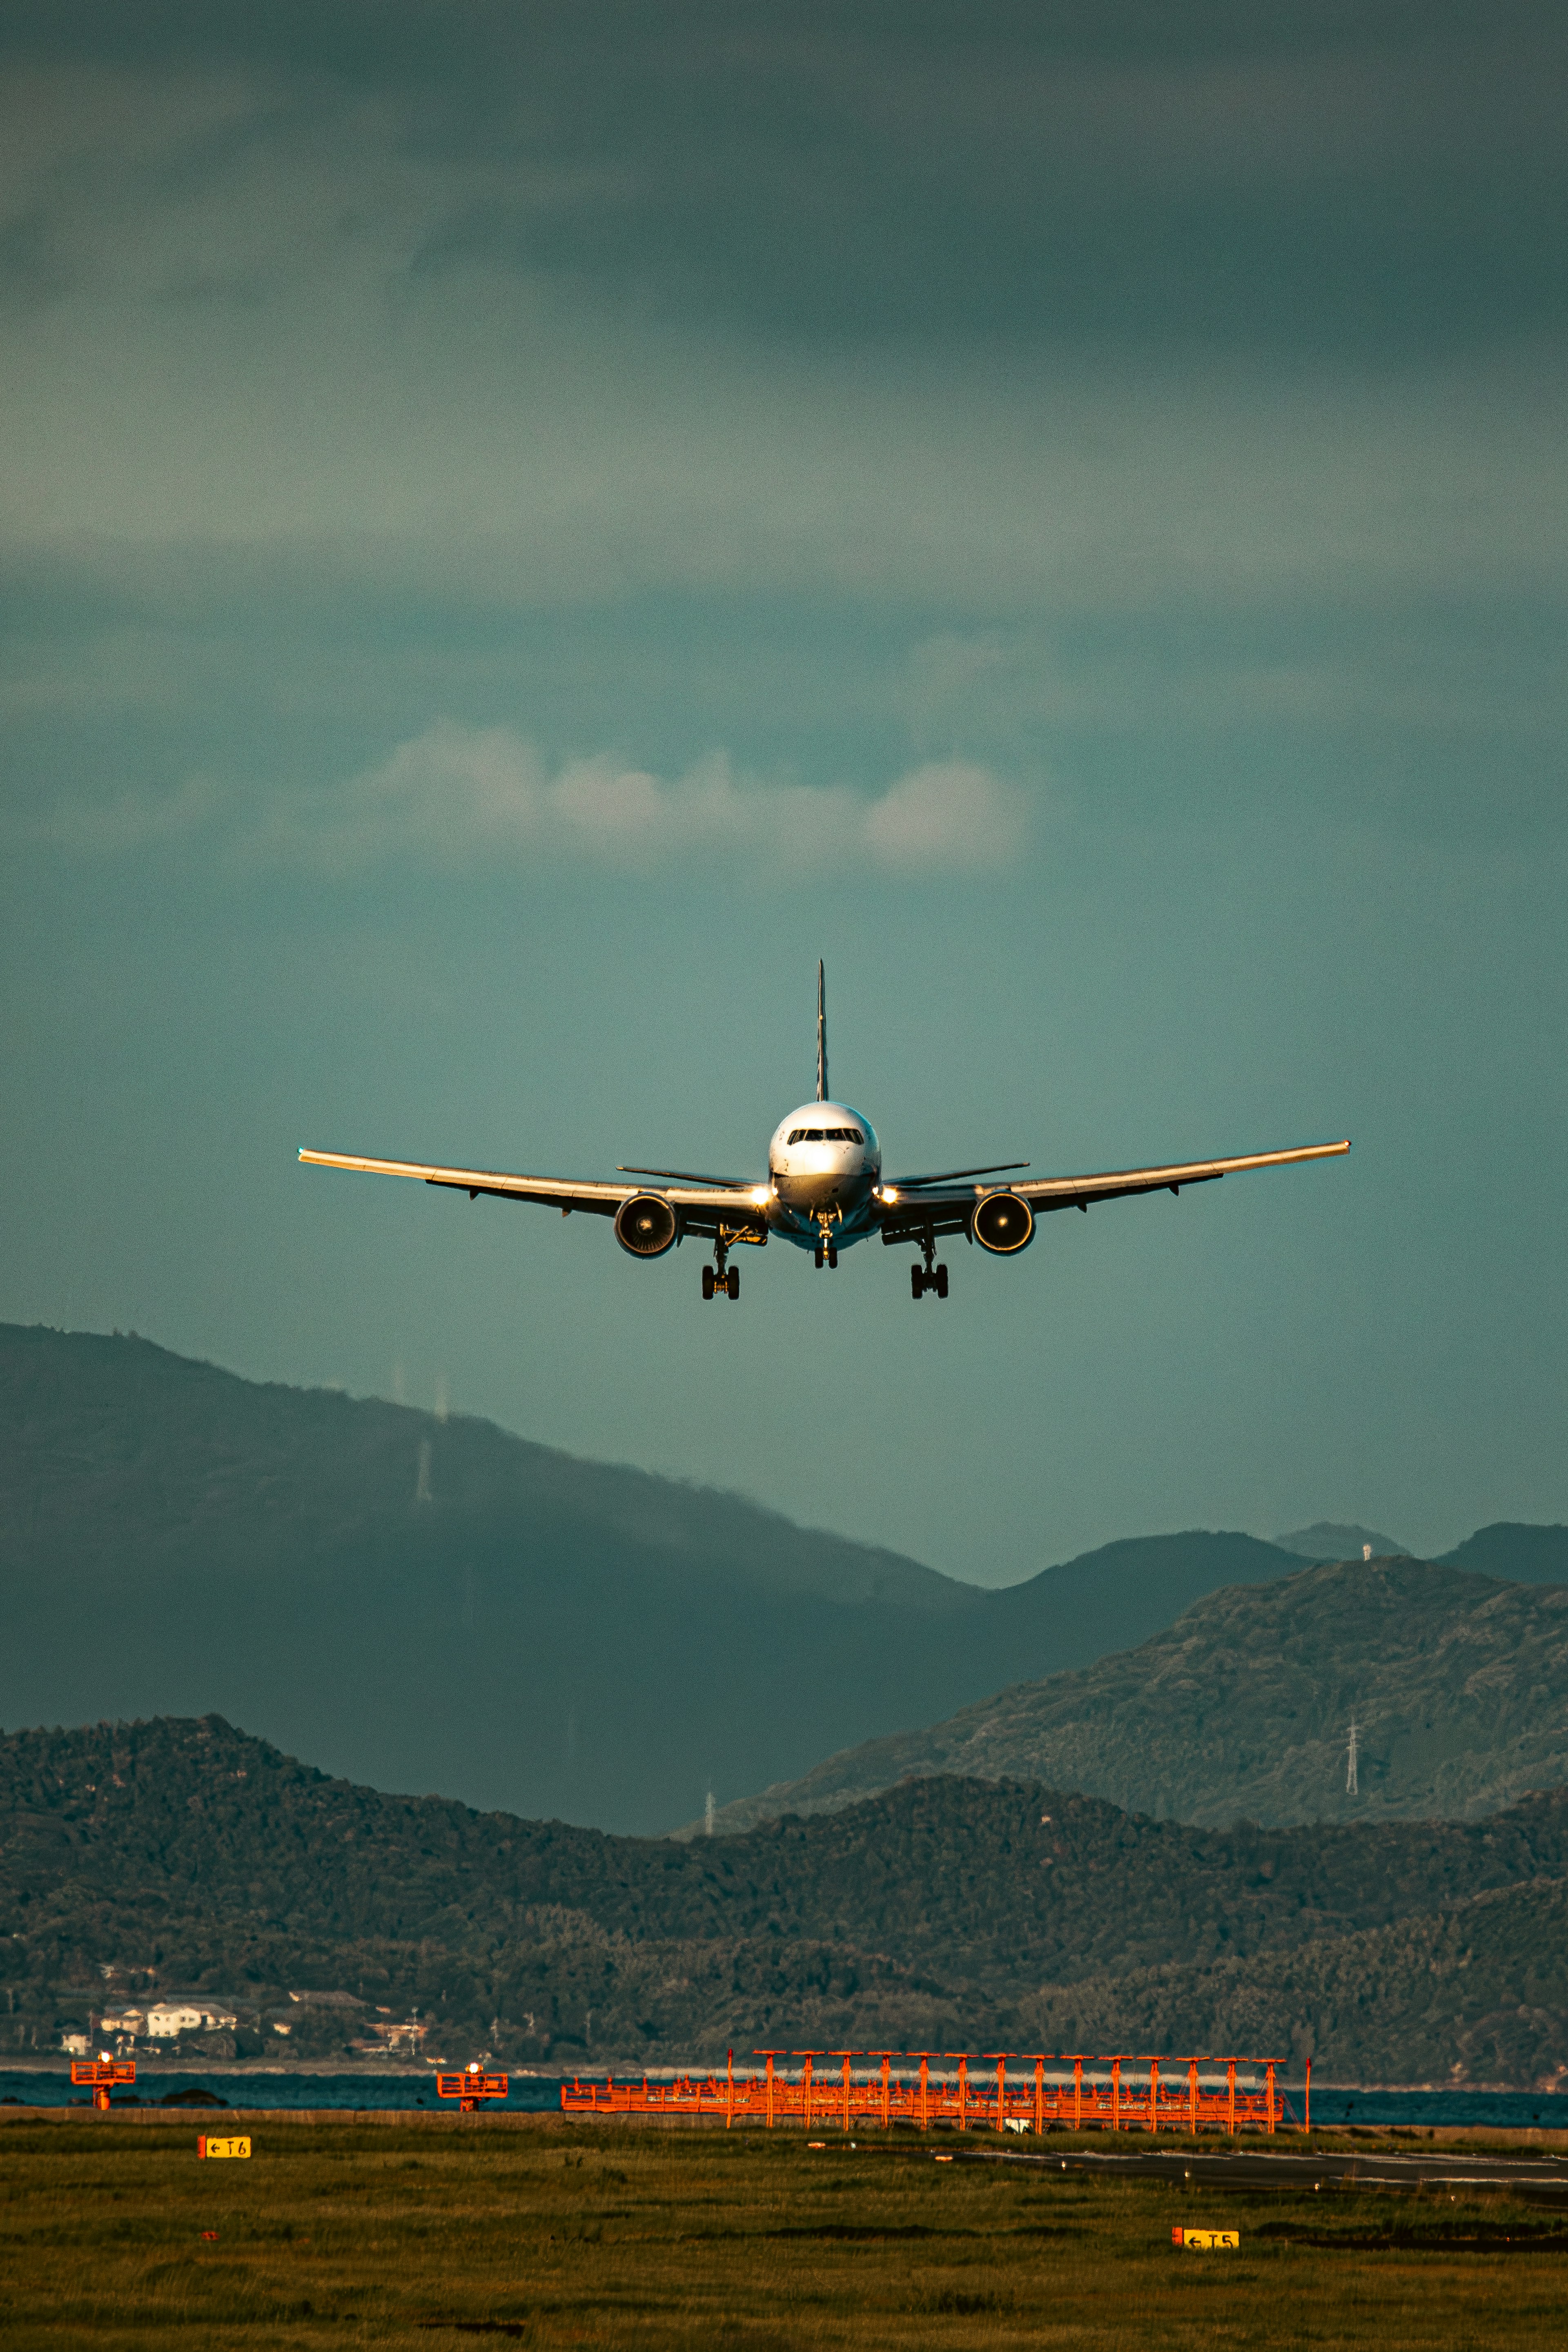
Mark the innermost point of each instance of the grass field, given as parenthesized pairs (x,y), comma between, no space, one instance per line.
(438,2233)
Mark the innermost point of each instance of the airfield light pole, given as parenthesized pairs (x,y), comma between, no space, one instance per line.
(846,2055)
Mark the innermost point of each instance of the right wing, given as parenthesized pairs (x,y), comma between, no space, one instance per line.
(702,1208)
(907,1215)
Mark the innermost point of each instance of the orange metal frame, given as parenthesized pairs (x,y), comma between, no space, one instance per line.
(470,2087)
(97,2073)
(971,2102)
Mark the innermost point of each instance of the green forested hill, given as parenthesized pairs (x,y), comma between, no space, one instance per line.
(944,1913)
(1459,1685)
(1476,1991)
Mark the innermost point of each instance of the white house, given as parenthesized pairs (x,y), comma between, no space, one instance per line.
(167,2019)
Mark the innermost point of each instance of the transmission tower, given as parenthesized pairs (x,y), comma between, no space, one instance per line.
(1354,1749)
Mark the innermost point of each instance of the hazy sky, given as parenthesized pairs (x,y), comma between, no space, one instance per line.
(522,526)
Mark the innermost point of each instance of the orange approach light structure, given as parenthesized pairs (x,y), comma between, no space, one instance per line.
(900,2091)
(472,2085)
(97,2074)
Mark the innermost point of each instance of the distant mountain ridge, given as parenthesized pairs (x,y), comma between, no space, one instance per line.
(429,1603)
(559,1637)
(1336,1540)
(1459,1685)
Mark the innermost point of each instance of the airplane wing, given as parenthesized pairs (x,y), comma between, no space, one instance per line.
(703,1208)
(949,1210)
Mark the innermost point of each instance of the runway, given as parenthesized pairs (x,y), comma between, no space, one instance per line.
(1542,2180)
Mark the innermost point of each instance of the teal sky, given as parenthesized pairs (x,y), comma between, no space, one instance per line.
(521,528)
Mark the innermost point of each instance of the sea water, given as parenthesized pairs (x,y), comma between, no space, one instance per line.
(37,2089)
(540,2093)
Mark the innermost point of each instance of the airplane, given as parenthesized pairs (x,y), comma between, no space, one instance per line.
(823,1191)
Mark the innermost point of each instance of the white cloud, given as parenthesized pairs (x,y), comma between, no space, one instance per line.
(456,797)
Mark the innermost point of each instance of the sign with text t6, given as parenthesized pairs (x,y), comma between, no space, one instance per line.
(208,2145)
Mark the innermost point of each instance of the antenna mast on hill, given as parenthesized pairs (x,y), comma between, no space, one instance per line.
(1350,1787)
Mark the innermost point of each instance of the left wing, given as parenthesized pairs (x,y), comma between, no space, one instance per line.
(948,1212)
(702,1208)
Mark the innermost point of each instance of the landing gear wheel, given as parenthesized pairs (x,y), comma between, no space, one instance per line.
(732,1282)
(917,1282)
(819,1258)
(833,1257)
(706,1282)
(942,1282)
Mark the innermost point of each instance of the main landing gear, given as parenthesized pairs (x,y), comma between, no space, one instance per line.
(720,1280)
(930,1277)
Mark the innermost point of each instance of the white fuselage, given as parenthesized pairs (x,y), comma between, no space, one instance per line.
(824,1166)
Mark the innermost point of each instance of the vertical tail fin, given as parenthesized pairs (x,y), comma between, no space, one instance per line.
(821,1034)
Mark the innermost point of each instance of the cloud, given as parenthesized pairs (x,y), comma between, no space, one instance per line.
(456,796)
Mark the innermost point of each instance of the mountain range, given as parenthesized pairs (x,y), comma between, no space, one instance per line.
(435,1603)
(1458,1686)
(946,1914)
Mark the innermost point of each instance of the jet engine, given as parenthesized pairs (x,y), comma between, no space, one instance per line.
(646,1225)
(1003,1223)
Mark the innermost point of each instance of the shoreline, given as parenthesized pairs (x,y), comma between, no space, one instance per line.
(151,2067)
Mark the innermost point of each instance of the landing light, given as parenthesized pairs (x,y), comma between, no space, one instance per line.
(889,1193)
(763,1194)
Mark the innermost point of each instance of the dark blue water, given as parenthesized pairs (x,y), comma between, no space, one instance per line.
(535,2094)
(527,2092)
(1506,2110)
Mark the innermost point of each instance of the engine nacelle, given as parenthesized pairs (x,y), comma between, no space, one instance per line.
(646,1225)
(1003,1223)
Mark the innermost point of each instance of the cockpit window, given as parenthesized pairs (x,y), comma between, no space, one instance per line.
(824,1135)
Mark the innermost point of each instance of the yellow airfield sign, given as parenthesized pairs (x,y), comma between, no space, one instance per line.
(1206,2241)
(208,2145)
